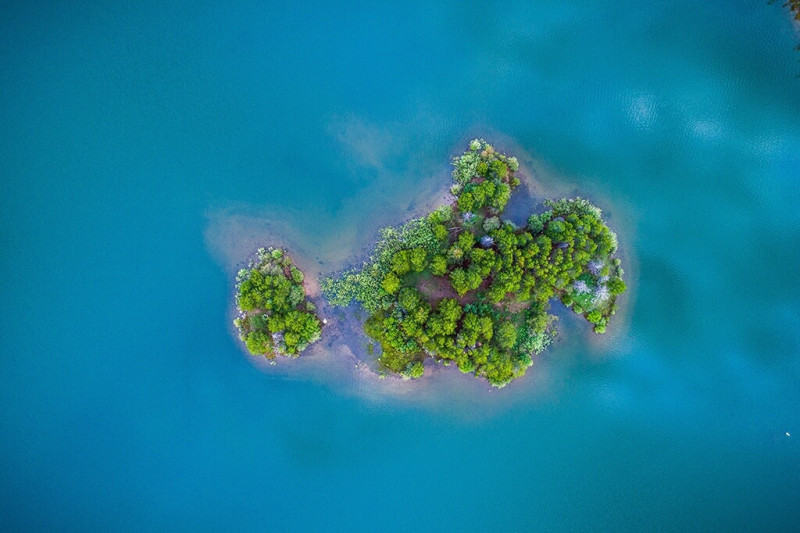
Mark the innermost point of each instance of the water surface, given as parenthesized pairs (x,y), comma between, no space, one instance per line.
(146,147)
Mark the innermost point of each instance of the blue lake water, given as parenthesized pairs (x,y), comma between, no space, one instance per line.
(147,148)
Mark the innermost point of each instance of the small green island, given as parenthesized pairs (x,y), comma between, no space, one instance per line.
(275,317)
(460,286)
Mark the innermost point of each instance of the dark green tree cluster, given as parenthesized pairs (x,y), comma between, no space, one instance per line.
(275,318)
(464,286)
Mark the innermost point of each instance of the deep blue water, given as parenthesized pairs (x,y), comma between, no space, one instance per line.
(133,134)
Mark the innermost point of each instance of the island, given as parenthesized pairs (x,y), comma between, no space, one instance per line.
(274,315)
(464,286)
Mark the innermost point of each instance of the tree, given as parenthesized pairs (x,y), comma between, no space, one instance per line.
(501,197)
(616,286)
(470,329)
(465,364)
(455,254)
(555,229)
(491,224)
(506,335)
(416,259)
(450,312)
(535,224)
(258,343)
(466,202)
(400,263)
(459,282)
(441,215)
(297,275)
(498,169)
(391,283)
(438,265)
(276,323)
(473,278)
(408,298)
(465,241)
(440,232)
(594,317)
(416,370)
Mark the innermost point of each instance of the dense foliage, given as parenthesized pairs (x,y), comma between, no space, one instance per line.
(275,318)
(464,286)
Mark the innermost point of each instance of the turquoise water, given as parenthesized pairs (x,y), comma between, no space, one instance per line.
(147,148)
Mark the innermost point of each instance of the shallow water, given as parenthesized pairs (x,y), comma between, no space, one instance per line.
(147,150)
